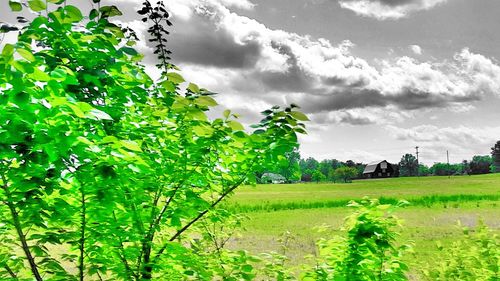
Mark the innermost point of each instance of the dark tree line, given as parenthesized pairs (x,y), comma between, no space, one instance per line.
(479,164)
(495,153)
(296,169)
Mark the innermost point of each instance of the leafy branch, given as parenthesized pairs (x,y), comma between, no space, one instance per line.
(158,16)
(19,229)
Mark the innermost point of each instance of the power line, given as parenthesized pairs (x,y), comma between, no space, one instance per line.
(448,161)
(416,148)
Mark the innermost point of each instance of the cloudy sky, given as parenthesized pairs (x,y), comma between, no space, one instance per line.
(376,77)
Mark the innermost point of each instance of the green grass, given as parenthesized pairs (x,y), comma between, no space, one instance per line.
(437,204)
(407,188)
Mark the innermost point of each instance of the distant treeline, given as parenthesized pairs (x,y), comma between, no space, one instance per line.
(296,169)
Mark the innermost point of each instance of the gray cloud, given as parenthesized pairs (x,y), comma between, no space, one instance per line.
(344,117)
(293,79)
(229,53)
(461,141)
(411,99)
(200,41)
(347,99)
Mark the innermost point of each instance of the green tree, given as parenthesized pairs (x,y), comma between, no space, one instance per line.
(307,168)
(408,166)
(308,164)
(466,167)
(290,168)
(423,170)
(444,169)
(368,252)
(331,175)
(346,174)
(116,169)
(495,154)
(327,165)
(476,256)
(318,176)
(481,164)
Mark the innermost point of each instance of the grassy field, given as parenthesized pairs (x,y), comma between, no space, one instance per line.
(437,204)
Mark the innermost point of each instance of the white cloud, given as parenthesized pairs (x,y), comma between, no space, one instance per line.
(242,4)
(483,73)
(184,9)
(416,49)
(238,56)
(356,155)
(365,116)
(388,9)
(461,141)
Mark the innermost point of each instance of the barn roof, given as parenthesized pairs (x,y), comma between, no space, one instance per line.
(371,167)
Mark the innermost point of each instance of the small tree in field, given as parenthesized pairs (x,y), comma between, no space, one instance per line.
(318,176)
(480,164)
(495,153)
(408,165)
(106,165)
(368,252)
(346,174)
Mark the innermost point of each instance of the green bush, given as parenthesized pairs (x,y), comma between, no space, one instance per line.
(108,167)
(369,251)
(474,258)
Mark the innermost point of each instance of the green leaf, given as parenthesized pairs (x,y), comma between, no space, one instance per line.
(299,116)
(22,98)
(40,75)
(236,126)
(56,1)
(129,51)
(193,88)
(110,11)
(301,131)
(22,66)
(203,130)
(8,50)
(26,54)
(93,14)
(37,5)
(176,78)
(226,113)
(197,115)
(15,6)
(132,145)
(247,268)
(100,115)
(175,221)
(73,14)
(58,74)
(109,139)
(169,86)
(204,100)
(85,140)
(76,110)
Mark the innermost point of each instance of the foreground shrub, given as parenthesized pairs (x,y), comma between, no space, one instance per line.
(369,251)
(476,257)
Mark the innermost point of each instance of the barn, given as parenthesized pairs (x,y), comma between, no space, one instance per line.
(379,169)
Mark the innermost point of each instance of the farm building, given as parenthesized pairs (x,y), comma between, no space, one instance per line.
(379,169)
(272,178)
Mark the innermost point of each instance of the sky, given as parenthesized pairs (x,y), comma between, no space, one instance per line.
(376,77)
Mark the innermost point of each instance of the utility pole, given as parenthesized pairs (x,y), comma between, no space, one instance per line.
(448,161)
(418,165)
